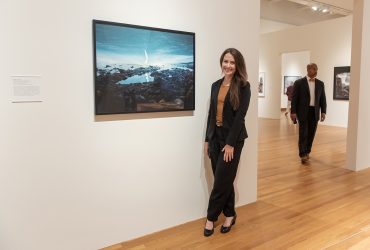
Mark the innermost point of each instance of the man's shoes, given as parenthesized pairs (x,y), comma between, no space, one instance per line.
(227,229)
(304,158)
(209,232)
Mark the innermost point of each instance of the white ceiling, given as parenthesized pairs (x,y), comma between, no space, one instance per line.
(299,12)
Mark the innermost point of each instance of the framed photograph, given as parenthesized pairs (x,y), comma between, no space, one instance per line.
(342,78)
(261,84)
(288,81)
(142,69)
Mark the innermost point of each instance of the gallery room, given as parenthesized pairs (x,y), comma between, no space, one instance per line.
(82,168)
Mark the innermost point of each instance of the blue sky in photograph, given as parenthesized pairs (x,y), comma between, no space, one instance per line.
(127,45)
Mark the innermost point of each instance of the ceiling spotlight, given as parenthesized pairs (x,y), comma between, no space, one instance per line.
(325,10)
(314,8)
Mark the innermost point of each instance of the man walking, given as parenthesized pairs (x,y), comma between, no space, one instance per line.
(308,107)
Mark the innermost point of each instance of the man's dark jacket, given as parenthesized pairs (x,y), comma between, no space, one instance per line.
(301,99)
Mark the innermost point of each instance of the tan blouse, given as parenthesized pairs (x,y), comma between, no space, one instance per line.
(220,103)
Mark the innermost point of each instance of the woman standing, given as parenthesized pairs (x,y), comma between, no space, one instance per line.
(225,136)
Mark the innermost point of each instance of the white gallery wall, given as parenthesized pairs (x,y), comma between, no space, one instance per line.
(329,44)
(70,180)
(358,136)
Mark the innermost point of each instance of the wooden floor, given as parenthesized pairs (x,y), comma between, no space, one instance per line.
(320,205)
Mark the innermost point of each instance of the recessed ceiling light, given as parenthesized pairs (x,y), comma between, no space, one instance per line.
(325,10)
(314,8)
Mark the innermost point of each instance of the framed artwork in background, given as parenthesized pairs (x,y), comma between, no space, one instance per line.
(342,77)
(288,81)
(261,84)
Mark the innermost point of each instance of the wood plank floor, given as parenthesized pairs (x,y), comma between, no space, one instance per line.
(320,205)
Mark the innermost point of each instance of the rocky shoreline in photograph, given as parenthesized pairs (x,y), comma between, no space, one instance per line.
(170,89)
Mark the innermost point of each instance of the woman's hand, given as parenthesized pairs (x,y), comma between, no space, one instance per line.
(228,153)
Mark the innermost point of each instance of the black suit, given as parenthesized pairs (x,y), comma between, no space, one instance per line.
(232,132)
(308,116)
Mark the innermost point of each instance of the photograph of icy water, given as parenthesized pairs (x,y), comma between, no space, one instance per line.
(142,69)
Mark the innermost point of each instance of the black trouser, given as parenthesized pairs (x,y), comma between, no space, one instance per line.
(222,197)
(307,130)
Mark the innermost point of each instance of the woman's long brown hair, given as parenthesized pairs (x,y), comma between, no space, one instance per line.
(240,76)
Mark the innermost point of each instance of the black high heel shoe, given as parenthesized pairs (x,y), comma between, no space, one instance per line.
(227,229)
(209,232)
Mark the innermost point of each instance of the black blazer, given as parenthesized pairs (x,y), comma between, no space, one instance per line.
(301,99)
(233,122)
